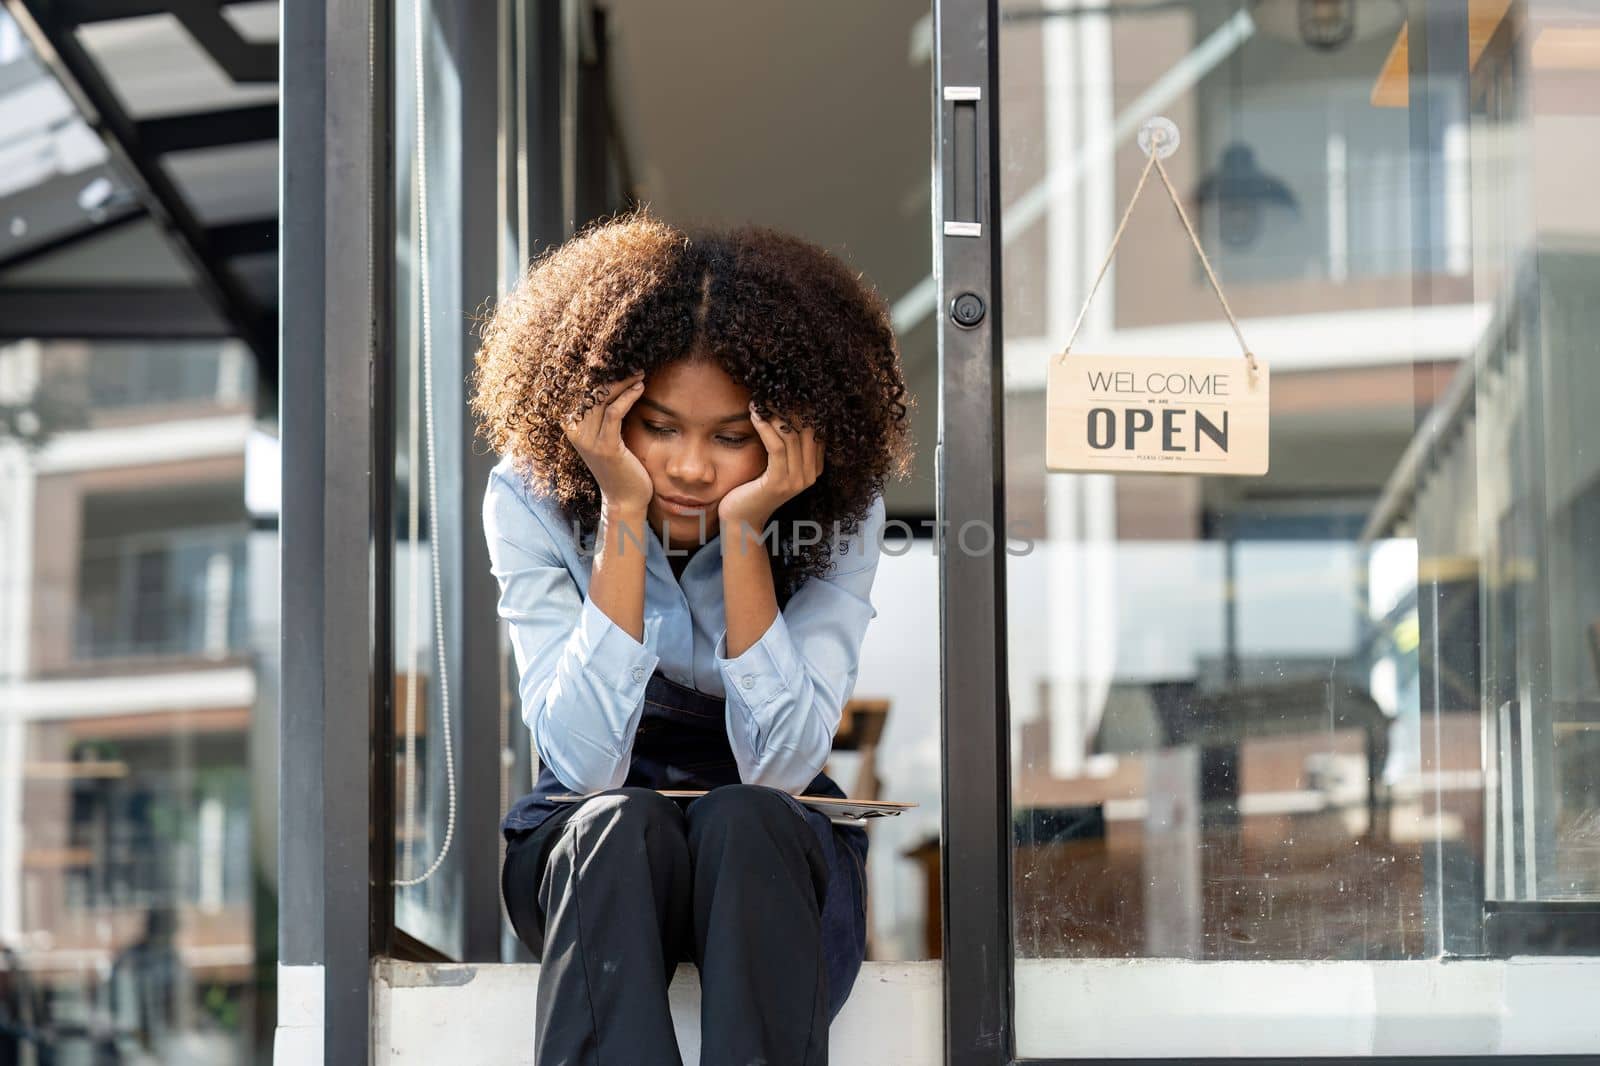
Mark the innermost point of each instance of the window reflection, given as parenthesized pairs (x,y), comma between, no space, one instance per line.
(430,911)
(172,591)
(1347,710)
(128,680)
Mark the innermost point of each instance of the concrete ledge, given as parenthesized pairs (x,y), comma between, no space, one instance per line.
(299,1037)
(1158,1008)
(483,1015)
(1080,1008)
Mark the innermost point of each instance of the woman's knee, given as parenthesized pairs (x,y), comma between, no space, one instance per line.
(742,809)
(743,830)
(633,812)
(620,834)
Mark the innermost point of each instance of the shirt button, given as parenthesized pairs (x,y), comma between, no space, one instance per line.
(638,673)
(749,681)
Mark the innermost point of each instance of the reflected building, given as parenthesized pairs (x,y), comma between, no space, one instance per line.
(127,882)
(1346,710)
(135,862)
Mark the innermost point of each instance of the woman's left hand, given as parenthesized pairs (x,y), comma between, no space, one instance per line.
(794,462)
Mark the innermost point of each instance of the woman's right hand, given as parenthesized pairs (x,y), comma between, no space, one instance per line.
(597,436)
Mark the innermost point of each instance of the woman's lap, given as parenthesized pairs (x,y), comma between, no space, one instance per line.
(843,911)
(844,917)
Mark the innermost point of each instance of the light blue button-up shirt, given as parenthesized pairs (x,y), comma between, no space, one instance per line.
(582,676)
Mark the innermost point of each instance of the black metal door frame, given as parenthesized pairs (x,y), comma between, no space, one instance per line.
(335,906)
(975,863)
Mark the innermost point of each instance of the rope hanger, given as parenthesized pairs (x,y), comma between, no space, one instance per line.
(1159,138)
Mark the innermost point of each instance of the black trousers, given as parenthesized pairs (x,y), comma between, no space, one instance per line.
(614,892)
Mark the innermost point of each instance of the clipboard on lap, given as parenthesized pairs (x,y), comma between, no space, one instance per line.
(841,811)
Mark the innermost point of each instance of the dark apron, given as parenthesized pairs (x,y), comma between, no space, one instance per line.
(682,743)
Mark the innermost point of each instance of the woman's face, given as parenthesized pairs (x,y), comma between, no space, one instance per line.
(692,431)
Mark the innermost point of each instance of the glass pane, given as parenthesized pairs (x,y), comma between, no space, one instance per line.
(132,898)
(55,176)
(431,909)
(1346,710)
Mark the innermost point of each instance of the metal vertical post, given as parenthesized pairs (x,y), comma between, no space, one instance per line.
(593,148)
(382,403)
(971,485)
(545,203)
(335,308)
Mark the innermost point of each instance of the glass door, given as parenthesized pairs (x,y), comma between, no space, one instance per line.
(1222,751)
(504,145)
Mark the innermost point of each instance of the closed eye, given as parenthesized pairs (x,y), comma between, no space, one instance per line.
(655,429)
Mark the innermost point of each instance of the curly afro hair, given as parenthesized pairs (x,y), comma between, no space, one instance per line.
(782,317)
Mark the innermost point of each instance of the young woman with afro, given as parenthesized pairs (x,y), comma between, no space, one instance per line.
(695,432)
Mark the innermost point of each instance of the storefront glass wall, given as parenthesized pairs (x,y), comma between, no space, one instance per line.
(137,609)
(1336,714)
(1345,711)
(431,909)
(130,871)
(480,180)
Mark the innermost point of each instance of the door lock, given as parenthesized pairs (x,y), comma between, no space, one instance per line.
(967,310)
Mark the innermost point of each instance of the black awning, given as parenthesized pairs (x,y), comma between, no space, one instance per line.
(156,121)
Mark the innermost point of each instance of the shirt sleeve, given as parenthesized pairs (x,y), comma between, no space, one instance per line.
(785,693)
(581,677)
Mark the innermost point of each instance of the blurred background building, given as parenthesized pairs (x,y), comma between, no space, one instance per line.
(138,293)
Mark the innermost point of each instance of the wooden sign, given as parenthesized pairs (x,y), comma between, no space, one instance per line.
(1136,415)
(1132,415)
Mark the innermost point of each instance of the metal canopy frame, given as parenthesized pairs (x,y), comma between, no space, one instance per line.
(138,147)
(208,129)
(112,312)
(244,61)
(51,199)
